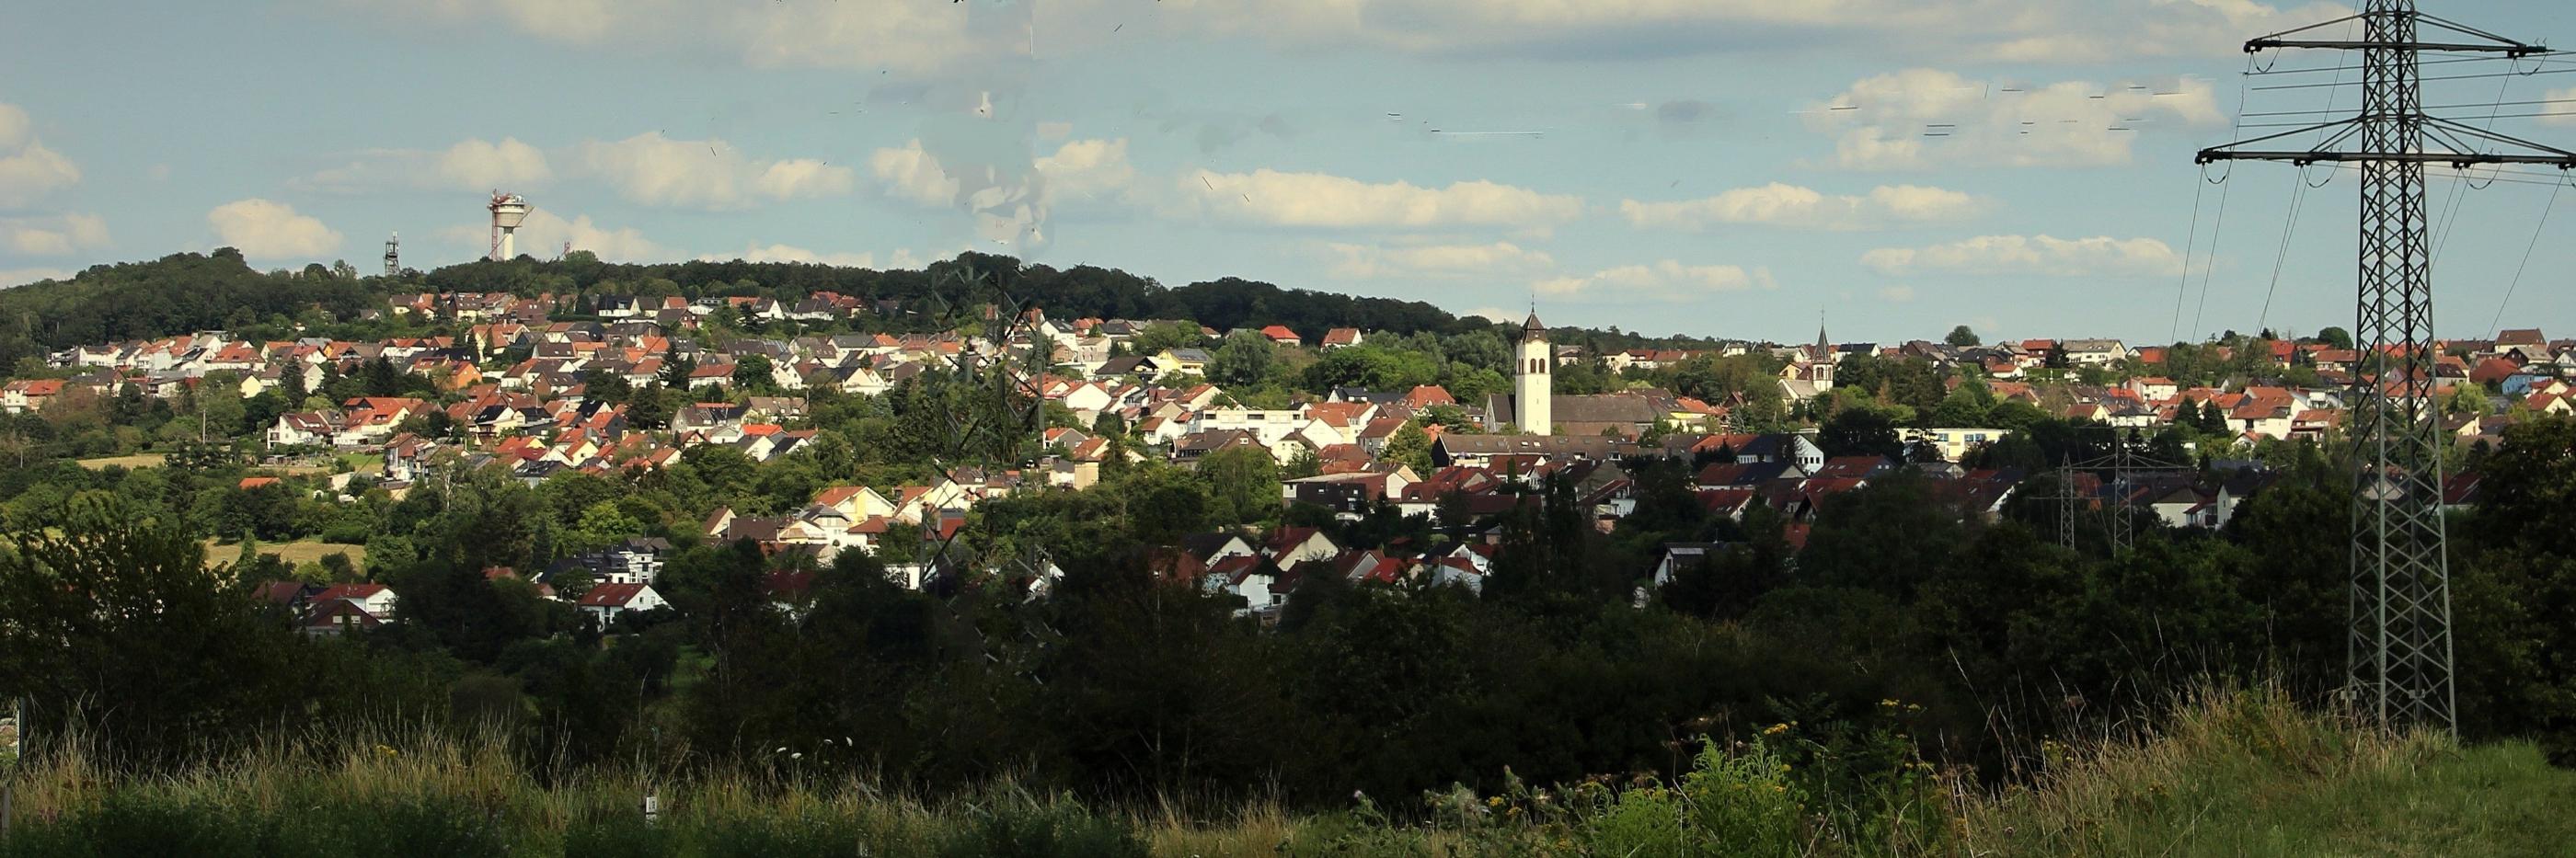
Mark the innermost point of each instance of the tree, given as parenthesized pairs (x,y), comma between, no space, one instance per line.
(2335,338)
(603,524)
(1410,446)
(753,373)
(1243,485)
(1860,432)
(1962,337)
(119,624)
(1161,336)
(1244,360)
(1163,503)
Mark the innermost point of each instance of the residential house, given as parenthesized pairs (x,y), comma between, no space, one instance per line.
(605,602)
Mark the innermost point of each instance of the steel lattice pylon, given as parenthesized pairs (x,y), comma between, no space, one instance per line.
(2400,648)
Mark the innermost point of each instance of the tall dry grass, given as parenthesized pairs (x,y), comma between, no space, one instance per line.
(2237,772)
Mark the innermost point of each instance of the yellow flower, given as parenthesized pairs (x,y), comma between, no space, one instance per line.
(1496,801)
(1889,703)
(1775,729)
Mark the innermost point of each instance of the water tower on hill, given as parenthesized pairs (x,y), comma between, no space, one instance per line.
(508,211)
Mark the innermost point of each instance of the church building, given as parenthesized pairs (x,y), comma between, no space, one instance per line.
(1535,408)
(1533,384)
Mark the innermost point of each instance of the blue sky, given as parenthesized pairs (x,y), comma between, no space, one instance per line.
(1660,165)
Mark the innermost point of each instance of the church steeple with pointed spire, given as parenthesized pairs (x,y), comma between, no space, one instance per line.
(1821,358)
(1533,380)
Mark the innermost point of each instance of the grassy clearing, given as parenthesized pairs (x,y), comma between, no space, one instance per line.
(137,460)
(2242,774)
(295,553)
(2250,775)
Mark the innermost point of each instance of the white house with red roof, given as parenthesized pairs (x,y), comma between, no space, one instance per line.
(605,601)
(377,599)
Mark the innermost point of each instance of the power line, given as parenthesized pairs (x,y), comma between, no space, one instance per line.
(2495,117)
(2487,76)
(2281,257)
(2430,106)
(2439,62)
(2526,257)
(2189,239)
(2460,191)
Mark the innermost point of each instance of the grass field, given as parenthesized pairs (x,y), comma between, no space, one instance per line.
(368,463)
(2243,774)
(138,460)
(295,553)
(364,463)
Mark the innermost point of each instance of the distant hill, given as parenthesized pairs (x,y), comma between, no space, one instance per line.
(188,292)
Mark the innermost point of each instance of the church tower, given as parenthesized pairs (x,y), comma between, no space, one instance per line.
(1533,379)
(1823,357)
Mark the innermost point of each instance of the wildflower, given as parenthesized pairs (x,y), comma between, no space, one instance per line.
(1888,703)
(797,756)
(1496,801)
(1775,729)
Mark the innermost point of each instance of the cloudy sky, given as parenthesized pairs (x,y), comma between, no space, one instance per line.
(1715,167)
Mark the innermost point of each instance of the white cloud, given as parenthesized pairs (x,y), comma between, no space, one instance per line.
(990,39)
(1087,169)
(23,276)
(1006,194)
(853,35)
(1779,204)
(1921,118)
(910,173)
(14,126)
(755,252)
(1321,200)
(2560,96)
(803,177)
(473,164)
(54,236)
(1437,261)
(28,170)
(504,165)
(545,231)
(1898,294)
(269,230)
(1992,30)
(1665,280)
(710,174)
(2018,254)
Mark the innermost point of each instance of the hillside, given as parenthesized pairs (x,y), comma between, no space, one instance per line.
(2243,774)
(188,292)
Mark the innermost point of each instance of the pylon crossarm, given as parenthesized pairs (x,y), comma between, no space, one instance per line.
(2450,47)
(2261,43)
(2221,153)
(2456,159)
(2511,46)
(2493,44)
(2563,158)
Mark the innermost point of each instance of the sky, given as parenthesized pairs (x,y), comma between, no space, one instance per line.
(1734,168)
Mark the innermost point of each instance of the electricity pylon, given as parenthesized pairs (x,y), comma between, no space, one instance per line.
(2400,648)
